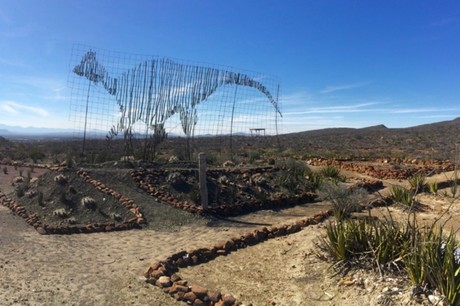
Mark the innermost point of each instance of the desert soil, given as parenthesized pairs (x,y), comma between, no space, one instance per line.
(107,268)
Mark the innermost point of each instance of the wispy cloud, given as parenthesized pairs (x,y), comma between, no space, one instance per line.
(334,88)
(356,108)
(16,108)
(417,110)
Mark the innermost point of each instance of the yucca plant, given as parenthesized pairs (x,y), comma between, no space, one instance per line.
(433,187)
(417,182)
(344,201)
(315,179)
(333,173)
(442,263)
(402,195)
(387,239)
(359,239)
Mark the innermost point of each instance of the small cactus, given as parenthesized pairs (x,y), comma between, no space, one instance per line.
(31,193)
(71,220)
(61,213)
(88,202)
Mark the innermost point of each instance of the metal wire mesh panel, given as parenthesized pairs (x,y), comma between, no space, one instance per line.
(142,100)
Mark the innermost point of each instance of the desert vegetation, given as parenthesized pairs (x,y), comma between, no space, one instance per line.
(394,203)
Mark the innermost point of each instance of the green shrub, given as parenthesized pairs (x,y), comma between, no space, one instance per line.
(344,201)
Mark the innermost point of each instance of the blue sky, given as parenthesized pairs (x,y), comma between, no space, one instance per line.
(340,63)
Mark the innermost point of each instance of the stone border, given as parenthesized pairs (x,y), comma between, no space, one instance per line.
(239,208)
(164,273)
(424,166)
(32,219)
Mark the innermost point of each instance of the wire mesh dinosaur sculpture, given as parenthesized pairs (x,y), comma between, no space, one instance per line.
(156,89)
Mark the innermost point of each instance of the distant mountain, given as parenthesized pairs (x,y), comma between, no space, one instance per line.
(8,130)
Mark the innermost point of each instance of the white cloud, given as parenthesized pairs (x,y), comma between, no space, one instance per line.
(335,109)
(16,108)
(334,88)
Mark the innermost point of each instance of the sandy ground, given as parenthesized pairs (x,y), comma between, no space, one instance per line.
(107,268)
(103,268)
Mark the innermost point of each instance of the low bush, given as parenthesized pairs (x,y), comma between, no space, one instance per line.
(344,201)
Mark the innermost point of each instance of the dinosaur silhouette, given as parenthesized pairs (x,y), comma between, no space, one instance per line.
(156,89)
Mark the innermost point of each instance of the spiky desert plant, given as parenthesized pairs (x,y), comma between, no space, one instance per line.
(402,195)
(433,187)
(417,182)
(60,179)
(344,201)
(88,202)
(333,173)
(61,213)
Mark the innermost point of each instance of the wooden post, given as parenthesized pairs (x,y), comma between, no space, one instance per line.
(203,185)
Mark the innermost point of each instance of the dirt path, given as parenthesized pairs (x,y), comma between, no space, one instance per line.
(107,268)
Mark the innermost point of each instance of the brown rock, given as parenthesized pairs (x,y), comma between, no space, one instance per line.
(199,291)
(199,302)
(228,300)
(156,274)
(41,230)
(178,288)
(214,296)
(182,282)
(189,297)
(164,281)
(175,278)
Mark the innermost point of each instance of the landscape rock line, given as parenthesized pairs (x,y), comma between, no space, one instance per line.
(43,229)
(164,273)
